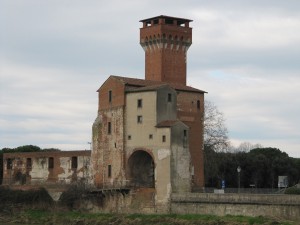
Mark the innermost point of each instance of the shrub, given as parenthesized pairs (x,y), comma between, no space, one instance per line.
(292,191)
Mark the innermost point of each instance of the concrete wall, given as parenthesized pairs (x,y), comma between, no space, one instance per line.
(38,172)
(281,206)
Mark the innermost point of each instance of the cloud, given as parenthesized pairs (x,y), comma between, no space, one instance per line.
(54,55)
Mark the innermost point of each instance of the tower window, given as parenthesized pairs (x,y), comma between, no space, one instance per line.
(74,163)
(109,170)
(129,137)
(184,133)
(109,96)
(169,97)
(109,128)
(51,163)
(164,138)
(139,103)
(140,119)
(198,104)
(150,136)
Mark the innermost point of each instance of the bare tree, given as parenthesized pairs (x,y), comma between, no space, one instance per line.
(215,131)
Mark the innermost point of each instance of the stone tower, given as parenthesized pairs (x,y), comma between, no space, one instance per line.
(166,40)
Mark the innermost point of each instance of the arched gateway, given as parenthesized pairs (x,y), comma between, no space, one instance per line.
(140,169)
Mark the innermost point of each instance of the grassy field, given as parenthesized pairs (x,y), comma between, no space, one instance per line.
(79,218)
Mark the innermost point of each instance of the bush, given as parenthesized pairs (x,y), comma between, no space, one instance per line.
(72,195)
(9,196)
(292,191)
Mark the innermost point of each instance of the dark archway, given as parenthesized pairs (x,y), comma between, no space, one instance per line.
(141,169)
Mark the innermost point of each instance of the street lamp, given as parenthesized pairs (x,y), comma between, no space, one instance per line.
(239,177)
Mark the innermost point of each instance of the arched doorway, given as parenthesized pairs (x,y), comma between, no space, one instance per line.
(141,169)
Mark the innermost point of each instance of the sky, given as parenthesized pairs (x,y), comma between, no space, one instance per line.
(54,55)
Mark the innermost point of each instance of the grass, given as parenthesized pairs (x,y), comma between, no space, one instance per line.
(73,217)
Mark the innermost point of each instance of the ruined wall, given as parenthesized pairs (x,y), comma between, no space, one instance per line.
(63,167)
(190,110)
(107,137)
(108,146)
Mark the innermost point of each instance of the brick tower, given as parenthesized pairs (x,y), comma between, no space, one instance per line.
(165,41)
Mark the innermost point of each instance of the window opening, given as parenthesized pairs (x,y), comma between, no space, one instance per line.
(109,170)
(74,162)
(28,163)
(51,163)
(198,104)
(139,103)
(164,138)
(109,96)
(109,128)
(140,119)
(9,164)
(150,136)
(169,97)
(129,137)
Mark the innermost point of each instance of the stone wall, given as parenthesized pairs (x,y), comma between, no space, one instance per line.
(280,206)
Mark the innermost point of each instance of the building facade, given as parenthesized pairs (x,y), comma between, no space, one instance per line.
(45,168)
(149,132)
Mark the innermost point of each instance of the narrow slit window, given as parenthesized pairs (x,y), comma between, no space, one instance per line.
(109,171)
(184,133)
(169,97)
(164,138)
(109,96)
(129,137)
(109,127)
(198,104)
(74,162)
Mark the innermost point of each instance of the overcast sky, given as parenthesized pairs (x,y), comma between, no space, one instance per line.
(55,54)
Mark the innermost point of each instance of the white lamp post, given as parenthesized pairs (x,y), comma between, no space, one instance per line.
(239,177)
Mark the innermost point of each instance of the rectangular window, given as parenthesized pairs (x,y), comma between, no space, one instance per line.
(74,162)
(109,171)
(28,163)
(109,96)
(51,163)
(198,104)
(140,119)
(109,127)
(139,103)
(164,138)
(129,137)
(169,97)
(150,136)
(9,164)
(184,138)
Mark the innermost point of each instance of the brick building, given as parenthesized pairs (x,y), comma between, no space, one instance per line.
(149,132)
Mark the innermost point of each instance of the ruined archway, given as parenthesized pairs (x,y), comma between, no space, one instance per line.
(141,169)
